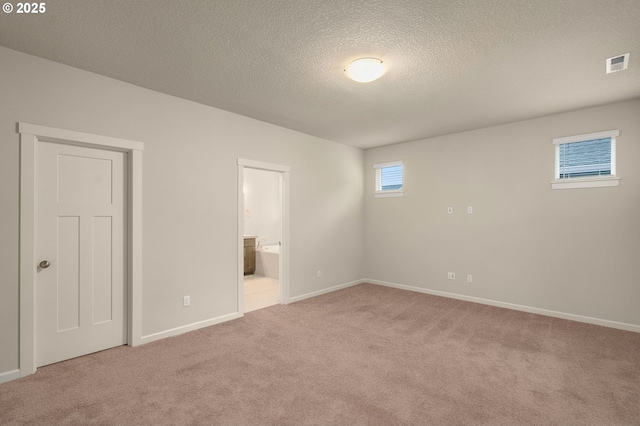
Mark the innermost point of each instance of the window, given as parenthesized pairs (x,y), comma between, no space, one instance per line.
(389,179)
(585,161)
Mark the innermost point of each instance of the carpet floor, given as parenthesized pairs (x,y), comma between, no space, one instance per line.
(365,355)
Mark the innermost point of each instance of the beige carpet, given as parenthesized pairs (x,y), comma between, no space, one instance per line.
(366,355)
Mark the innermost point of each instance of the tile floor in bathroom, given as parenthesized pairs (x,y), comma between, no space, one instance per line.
(260,292)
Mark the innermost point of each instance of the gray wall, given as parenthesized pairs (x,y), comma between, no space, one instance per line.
(575,251)
(189,191)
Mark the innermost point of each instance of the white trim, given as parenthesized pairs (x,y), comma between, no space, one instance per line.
(284,265)
(586,137)
(240,250)
(390,164)
(30,134)
(134,313)
(263,166)
(27,359)
(85,139)
(585,183)
(7,376)
(539,311)
(556,173)
(326,290)
(189,327)
(390,193)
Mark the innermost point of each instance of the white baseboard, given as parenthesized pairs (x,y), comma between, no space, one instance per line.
(7,376)
(325,291)
(206,323)
(189,327)
(546,312)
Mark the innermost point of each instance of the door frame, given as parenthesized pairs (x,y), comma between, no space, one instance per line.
(30,134)
(284,172)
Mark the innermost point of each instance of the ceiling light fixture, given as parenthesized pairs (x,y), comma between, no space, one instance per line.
(365,70)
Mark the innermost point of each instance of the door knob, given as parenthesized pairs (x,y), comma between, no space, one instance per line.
(45,264)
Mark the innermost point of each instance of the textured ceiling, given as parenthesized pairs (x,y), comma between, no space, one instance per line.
(453,65)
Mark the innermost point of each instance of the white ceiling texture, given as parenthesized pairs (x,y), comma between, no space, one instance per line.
(453,65)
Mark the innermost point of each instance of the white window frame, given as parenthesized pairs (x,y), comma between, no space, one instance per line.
(379,192)
(590,181)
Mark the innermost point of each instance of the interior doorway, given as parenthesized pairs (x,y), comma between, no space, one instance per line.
(263,236)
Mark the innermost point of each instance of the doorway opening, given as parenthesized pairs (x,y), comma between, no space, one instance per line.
(262,225)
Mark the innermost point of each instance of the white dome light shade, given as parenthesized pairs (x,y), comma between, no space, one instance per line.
(365,70)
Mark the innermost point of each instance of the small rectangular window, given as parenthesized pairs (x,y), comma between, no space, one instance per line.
(584,161)
(389,179)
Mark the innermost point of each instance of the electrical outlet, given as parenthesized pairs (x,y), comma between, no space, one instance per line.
(186,301)
(451,275)
(469,278)
(470,210)
(319,273)
(449,210)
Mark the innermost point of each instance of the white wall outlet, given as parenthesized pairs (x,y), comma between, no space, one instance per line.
(469,278)
(186,301)
(451,275)
(470,210)
(319,273)
(449,210)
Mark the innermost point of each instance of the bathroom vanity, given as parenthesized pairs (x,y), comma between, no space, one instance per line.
(249,254)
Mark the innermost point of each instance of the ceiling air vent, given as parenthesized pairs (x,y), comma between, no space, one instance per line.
(617,63)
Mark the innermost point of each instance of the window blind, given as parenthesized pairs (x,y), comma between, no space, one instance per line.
(585,158)
(391,178)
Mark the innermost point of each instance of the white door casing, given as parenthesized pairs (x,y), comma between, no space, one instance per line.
(81,233)
(30,137)
(284,248)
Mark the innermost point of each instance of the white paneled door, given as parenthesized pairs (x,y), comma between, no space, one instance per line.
(80,247)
